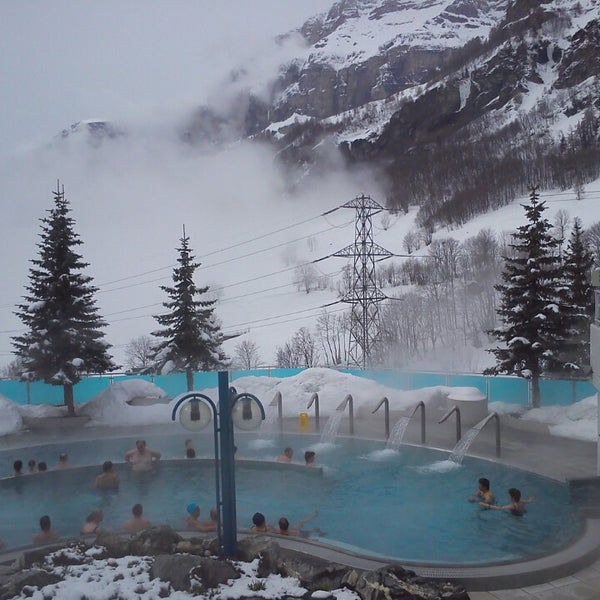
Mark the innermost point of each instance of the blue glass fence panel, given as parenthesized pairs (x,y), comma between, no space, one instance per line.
(476,381)
(421,380)
(500,388)
(513,390)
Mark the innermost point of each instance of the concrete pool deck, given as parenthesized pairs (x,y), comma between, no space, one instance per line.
(572,573)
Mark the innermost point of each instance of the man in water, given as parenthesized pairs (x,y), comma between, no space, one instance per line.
(483,495)
(137,522)
(63,462)
(46,535)
(108,479)
(141,458)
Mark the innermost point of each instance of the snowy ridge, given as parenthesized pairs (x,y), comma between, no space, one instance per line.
(356,30)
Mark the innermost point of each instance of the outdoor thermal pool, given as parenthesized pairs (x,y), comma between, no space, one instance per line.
(408,505)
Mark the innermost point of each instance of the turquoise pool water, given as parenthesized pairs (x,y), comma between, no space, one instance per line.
(409,505)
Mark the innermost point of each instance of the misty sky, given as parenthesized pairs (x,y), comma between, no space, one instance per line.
(63,61)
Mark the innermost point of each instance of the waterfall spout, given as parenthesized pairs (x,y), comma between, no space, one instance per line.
(386,403)
(456,410)
(461,448)
(314,399)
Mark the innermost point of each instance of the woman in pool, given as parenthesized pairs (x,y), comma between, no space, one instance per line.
(515,507)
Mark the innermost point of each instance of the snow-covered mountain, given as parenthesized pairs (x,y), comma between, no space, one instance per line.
(444,110)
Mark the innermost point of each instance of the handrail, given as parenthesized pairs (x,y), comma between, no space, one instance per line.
(458,428)
(485,421)
(348,401)
(385,402)
(421,405)
(278,401)
(314,399)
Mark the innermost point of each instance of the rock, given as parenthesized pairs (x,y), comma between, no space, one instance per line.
(175,569)
(312,572)
(198,546)
(263,547)
(14,584)
(398,583)
(154,541)
(37,555)
(210,573)
(117,545)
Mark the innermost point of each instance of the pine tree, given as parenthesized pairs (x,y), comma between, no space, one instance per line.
(191,335)
(532,318)
(64,338)
(578,299)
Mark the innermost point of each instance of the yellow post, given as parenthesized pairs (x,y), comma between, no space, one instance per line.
(303,422)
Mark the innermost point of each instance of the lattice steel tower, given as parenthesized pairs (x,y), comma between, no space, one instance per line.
(363,295)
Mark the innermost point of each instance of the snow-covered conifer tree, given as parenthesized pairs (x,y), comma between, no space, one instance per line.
(532,329)
(191,336)
(64,337)
(577,298)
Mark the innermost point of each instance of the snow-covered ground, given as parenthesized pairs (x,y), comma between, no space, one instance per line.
(111,408)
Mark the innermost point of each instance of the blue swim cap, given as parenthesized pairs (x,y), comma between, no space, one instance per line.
(191,507)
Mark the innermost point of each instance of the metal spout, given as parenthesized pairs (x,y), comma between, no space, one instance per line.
(456,410)
(314,399)
(350,402)
(484,422)
(386,402)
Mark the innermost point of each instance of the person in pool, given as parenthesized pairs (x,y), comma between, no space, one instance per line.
(141,458)
(46,535)
(192,519)
(137,522)
(516,506)
(296,529)
(309,458)
(108,479)
(92,522)
(259,523)
(287,455)
(483,495)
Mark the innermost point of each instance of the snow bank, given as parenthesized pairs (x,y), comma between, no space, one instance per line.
(110,408)
(10,417)
(578,421)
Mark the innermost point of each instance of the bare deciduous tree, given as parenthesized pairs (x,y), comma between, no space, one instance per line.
(246,355)
(411,242)
(139,354)
(306,277)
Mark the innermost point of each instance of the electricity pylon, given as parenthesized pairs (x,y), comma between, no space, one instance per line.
(363,295)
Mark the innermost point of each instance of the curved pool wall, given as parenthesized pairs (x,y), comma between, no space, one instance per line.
(408,506)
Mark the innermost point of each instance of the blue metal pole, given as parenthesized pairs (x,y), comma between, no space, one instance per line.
(229,520)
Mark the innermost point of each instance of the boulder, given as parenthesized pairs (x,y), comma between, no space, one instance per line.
(175,569)
(262,547)
(154,541)
(117,545)
(210,573)
(312,572)
(15,584)
(400,584)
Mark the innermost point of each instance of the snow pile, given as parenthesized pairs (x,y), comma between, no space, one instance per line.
(578,421)
(111,408)
(10,417)
(332,387)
